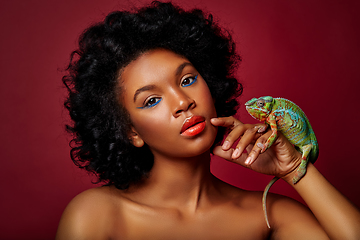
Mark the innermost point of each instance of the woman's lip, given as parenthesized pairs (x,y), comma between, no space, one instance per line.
(193,126)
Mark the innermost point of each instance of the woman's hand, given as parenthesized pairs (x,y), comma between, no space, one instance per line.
(281,160)
(339,218)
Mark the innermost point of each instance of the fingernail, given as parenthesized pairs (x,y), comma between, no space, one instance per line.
(248,160)
(260,145)
(226,145)
(214,119)
(236,153)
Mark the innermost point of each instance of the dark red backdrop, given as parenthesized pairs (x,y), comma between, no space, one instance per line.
(307,51)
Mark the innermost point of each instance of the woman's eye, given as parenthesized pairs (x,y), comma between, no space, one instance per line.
(151,102)
(189,81)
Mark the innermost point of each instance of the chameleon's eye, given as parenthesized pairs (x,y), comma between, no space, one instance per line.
(260,103)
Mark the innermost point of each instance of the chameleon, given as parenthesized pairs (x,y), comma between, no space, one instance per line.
(285,116)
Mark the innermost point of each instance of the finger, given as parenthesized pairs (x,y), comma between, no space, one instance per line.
(234,135)
(247,131)
(226,154)
(258,148)
(218,151)
(225,122)
(252,132)
(247,137)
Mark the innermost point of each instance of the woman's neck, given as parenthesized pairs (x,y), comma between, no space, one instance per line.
(178,183)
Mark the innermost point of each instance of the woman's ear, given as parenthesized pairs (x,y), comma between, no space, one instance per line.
(135,138)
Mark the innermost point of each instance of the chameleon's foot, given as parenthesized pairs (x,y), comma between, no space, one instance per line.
(300,172)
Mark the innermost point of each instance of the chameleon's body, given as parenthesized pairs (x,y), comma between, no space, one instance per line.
(284,116)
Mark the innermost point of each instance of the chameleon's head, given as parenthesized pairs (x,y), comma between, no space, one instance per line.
(259,108)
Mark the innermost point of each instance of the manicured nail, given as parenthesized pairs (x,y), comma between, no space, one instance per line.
(226,145)
(261,129)
(260,145)
(236,153)
(214,120)
(248,160)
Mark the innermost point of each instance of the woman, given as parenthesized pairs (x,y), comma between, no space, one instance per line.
(150,95)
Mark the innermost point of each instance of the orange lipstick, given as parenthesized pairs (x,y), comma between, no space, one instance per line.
(193,126)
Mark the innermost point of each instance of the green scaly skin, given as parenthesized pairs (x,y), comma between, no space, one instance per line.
(285,116)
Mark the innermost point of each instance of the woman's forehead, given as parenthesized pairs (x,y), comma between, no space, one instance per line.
(153,66)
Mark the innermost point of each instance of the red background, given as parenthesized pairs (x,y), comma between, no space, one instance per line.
(307,51)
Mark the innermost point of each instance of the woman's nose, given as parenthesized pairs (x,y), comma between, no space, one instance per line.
(182,103)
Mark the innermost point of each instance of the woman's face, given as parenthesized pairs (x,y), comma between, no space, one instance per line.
(169,103)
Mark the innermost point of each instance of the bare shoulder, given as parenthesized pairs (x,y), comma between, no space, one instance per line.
(290,219)
(88,215)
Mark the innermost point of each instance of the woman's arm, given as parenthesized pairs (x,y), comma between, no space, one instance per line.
(337,215)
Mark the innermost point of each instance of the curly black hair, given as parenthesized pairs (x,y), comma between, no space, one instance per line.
(100,125)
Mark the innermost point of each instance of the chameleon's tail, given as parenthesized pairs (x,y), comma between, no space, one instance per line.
(264,199)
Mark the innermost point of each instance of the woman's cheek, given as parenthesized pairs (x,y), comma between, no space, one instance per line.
(152,125)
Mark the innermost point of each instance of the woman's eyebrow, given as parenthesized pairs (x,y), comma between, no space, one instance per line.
(181,67)
(143,89)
